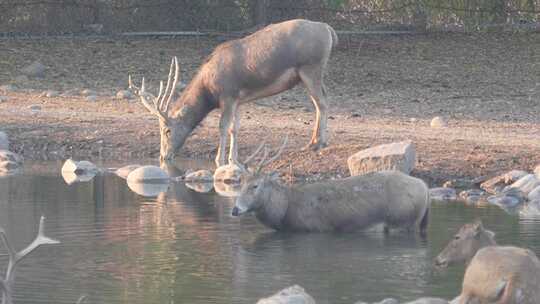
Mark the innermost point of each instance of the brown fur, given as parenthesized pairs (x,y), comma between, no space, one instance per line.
(263,64)
(355,203)
(502,275)
(468,240)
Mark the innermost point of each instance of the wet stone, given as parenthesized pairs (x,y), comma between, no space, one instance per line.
(123,172)
(148,174)
(525,184)
(290,295)
(442,194)
(472,196)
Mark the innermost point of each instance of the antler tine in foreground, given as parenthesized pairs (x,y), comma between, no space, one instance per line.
(169,78)
(175,82)
(252,156)
(278,153)
(16,257)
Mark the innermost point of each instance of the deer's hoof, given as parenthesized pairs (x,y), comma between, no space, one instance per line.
(315,146)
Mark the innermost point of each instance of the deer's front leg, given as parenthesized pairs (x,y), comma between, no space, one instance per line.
(233,133)
(224,122)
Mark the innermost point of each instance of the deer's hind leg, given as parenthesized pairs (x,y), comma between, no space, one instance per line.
(312,77)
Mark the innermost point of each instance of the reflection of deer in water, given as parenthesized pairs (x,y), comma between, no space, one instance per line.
(15,258)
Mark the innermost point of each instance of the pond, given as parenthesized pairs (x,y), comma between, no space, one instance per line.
(185,247)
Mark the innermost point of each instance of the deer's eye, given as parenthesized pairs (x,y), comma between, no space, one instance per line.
(254,186)
(457,237)
(168,133)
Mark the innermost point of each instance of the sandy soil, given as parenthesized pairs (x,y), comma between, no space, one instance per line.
(381,89)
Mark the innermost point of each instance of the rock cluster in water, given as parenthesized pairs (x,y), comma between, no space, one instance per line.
(10,162)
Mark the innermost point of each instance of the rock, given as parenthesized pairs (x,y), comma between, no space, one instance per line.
(203,187)
(126,170)
(148,174)
(290,295)
(525,184)
(537,171)
(472,196)
(530,210)
(91,98)
(498,183)
(443,194)
(79,167)
(534,194)
(8,156)
(507,200)
(438,122)
(4,141)
(229,174)
(35,69)
(395,156)
(50,94)
(3,99)
(428,301)
(227,190)
(34,108)
(72,177)
(148,189)
(7,88)
(125,94)
(88,92)
(199,176)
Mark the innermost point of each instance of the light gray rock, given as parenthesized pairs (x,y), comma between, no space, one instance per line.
(498,183)
(34,108)
(534,194)
(126,170)
(35,69)
(507,200)
(79,167)
(148,174)
(88,92)
(91,98)
(291,295)
(8,156)
(530,210)
(125,94)
(199,176)
(6,88)
(72,177)
(525,184)
(229,174)
(472,196)
(442,194)
(395,156)
(50,94)
(438,122)
(4,141)
(3,99)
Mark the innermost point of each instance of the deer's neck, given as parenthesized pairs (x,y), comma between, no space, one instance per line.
(194,105)
(274,210)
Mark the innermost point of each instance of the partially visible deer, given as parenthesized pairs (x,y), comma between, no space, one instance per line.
(265,63)
(15,258)
(391,198)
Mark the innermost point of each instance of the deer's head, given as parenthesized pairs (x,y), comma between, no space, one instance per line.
(173,133)
(257,187)
(467,241)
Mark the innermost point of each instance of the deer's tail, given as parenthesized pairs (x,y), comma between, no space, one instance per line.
(425,218)
(334,36)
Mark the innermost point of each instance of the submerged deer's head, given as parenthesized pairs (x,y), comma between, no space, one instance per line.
(468,240)
(257,188)
(173,133)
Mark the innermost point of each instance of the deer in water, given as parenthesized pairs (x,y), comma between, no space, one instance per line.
(391,198)
(265,63)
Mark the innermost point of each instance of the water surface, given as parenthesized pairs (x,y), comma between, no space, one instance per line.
(184,247)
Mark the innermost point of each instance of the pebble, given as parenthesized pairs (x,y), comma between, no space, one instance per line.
(88,92)
(443,194)
(438,122)
(91,98)
(34,108)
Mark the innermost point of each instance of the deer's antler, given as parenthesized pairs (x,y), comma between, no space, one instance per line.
(159,105)
(264,162)
(16,257)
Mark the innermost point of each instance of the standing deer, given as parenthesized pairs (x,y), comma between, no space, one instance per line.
(265,63)
(391,198)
